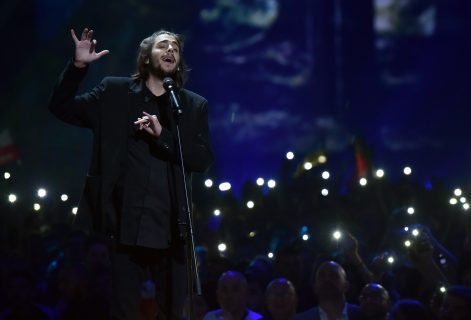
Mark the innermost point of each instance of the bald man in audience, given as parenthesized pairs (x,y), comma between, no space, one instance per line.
(374,302)
(280,299)
(330,286)
(232,297)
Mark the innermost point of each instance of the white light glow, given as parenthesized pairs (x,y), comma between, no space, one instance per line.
(410,210)
(225,186)
(271,183)
(64,197)
(415,232)
(363,182)
(12,198)
(337,235)
(391,260)
(466,206)
(325,192)
(250,204)
(74,210)
(442,289)
(208,183)
(322,159)
(305,237)
(252,234)
(7,175)
(407,171)
(37,207)
(270,255)
(462,199)
(453,201)
(222,247)
(406,229)
(290,155)
(458,192)
(307,165)
(407,243)
(42,192)
(325,175)
(260,181)
(217,212)
(380,173)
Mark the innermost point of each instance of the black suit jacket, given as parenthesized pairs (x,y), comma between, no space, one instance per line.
(104,110)
(353,312)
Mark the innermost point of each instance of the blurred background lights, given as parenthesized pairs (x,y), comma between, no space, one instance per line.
(337,235)
(222,247)
(271,183)
(270,255)
(36,207)
(462,199)
(42,192)
(390,260)
(325,175)
(208,183)
(442,289)
(415,232)
(243,38)
(380,173)
(225,186)
(407,243)
(12,198)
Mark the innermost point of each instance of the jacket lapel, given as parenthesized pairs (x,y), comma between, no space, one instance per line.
(115,126)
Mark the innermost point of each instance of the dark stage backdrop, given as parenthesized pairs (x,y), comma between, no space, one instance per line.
(319,76)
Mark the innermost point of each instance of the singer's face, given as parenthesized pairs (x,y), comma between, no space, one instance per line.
(165,56)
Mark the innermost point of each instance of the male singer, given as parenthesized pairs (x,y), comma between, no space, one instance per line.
(134,191)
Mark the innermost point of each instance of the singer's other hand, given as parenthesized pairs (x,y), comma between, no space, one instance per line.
(149,123)
(85,48)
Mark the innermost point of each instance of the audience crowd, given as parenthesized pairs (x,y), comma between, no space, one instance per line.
(384,263)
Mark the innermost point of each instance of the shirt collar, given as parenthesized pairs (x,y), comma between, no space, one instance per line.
(344,316)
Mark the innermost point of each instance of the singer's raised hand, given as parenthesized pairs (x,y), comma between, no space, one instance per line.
(85,48)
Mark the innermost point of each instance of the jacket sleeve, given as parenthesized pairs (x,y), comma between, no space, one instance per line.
(196,148)
(78,110)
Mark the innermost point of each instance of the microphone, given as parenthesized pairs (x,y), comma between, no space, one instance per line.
(169,86)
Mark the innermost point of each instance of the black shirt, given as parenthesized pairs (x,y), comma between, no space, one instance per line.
(144,184)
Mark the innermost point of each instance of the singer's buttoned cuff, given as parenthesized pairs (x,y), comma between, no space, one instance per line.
(165,141)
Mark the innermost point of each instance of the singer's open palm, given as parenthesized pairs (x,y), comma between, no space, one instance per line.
(85,47)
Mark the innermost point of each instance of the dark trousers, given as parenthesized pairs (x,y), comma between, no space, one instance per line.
(132,265)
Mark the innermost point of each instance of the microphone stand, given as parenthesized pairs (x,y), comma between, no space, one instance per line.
(191,262)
